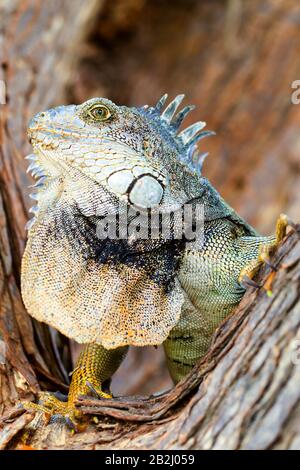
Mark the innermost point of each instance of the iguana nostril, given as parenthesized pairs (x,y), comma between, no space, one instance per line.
(146,192)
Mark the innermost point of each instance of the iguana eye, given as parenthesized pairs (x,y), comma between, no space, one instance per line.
(100,112)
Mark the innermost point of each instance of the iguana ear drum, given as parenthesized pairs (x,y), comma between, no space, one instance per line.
(120,181)
(146,192)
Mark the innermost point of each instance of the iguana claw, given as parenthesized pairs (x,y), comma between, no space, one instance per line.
(53,410)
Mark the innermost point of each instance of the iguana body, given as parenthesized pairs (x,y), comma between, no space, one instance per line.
(96,160)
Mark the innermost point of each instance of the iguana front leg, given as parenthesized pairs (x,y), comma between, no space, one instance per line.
(213,281)
(265,249)
(95,366)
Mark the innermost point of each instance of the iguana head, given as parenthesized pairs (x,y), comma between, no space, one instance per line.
(136,153)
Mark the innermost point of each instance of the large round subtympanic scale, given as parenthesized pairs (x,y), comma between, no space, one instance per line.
(146,192)
(119,182)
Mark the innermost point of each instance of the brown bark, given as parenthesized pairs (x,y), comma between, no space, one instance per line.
(237,60)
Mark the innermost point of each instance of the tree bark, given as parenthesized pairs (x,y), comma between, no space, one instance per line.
(244,393)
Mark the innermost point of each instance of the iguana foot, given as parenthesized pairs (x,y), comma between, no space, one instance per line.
(54,409)
(265,250)
(57,409)
(95,367)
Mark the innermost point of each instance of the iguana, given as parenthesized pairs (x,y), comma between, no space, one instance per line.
(98,159)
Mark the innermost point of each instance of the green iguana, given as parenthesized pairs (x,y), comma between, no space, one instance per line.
(99,159)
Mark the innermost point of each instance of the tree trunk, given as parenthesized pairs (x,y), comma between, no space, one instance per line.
(244,393)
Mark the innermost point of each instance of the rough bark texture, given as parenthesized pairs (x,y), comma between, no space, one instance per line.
(237,61)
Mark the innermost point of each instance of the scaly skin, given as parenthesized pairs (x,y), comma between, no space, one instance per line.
(96,160)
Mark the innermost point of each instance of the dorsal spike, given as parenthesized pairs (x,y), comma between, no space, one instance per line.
(199,158)
(181,115)
(161,102)
(186,141)
(198,137)
(187,134)
(170,110)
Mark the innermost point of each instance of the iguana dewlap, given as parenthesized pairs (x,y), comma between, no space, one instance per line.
(96,162)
